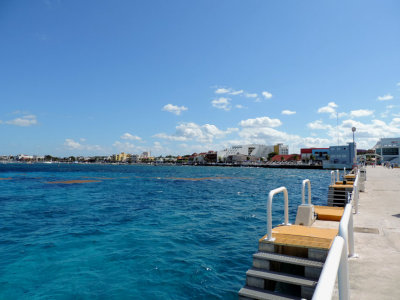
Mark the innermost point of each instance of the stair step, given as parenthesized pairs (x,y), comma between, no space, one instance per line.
(260,294)
(281,277)
(288,259)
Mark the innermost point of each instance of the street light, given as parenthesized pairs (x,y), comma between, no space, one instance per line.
(354,147)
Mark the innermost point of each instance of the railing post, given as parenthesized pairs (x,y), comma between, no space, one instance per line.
(355,192)
(346,230)
(269,209)
(343,276)
(303,201)
(335,266)
(337,175)
(351,237)
(332,177)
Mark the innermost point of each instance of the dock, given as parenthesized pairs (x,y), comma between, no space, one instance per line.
(356,241)
(375,274)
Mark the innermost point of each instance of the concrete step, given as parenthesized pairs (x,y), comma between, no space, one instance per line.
(337,199)
(337,202)
(288,259)
(337,194)
(279,277)
(248,292)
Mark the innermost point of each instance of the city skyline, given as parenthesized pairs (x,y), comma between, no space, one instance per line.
(97,78)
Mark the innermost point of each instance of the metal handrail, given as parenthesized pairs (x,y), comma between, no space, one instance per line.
(337,175)
(269,209)
(333,177)
(336,263)
(346,230)
(303,191)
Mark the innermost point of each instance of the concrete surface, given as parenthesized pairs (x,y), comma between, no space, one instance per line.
(375,274)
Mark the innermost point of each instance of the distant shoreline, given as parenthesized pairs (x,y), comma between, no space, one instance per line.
(274,166)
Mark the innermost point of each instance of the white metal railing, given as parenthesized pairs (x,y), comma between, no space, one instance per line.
(333,180)
(346,230)
(271,195)
(335,265)
(303,191)
(355,195)
(337,175)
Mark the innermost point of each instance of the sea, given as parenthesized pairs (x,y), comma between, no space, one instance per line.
(72,231)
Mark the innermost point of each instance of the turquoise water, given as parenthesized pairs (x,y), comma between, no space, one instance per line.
(139,233)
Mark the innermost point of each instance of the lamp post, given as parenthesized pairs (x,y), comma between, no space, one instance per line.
(353,129)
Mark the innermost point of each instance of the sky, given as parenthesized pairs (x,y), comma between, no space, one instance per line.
(178,77)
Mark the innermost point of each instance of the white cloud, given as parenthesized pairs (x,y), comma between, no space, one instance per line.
(222,91)
(234,93)
(395,122)
(229,91)
(261,122)
(367,134)
(222,103)
(239,106)
(128,147)
(329,109)
(361,113)
(251,95)
(385,97)
(192,131)
(174,109)
(73,145)
(386,113)
(318,124)
(288,112)
(270,136)
(170,137)
(267,95)
(24,121)
(398,84)
(128,136)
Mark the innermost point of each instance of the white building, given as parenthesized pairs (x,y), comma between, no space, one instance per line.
(389,149)
(281,149)
(25,157)
(145,154)
(252,150)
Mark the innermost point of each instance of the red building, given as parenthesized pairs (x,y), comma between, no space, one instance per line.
(315,154)
(286,157)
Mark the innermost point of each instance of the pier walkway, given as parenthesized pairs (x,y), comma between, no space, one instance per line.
(375,274)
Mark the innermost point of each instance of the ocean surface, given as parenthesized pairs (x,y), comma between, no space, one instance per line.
(137,232)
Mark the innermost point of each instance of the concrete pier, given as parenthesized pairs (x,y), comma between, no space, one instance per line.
(375,274)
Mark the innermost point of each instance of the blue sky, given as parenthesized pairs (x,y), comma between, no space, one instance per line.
(177,77)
